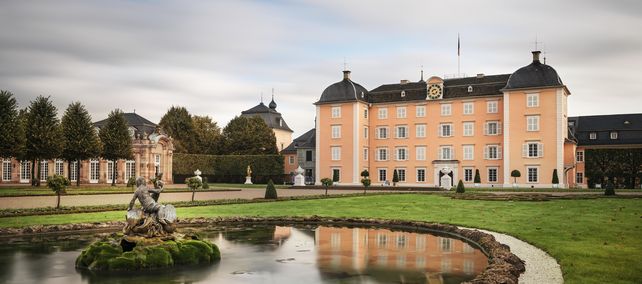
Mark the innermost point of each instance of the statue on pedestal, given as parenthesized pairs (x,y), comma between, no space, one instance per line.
(299,179)
(248,178)
(153,219)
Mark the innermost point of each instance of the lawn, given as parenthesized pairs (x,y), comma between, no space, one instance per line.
(594,240)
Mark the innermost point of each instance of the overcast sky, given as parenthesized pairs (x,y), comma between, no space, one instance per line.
(216,57)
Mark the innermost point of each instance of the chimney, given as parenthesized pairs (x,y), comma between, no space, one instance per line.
(403,82)
(536,55)
(346,75)
(480,75)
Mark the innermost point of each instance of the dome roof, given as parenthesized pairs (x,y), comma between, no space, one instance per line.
(272,104)
(535,74)
(345,90)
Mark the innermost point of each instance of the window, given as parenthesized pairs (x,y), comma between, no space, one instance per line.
(593,135)
(336,153)
(44,170)
(469,152)
(336,112)
(492,152)
(420,130)
(420,111)
(445,130)
(6,170)
(365,132)
(401,112)
(446,109)
(469,128)
(491,107)
(59,167)
(336,173)
(532,174)
(401,173)
(365,113)
(579,177)
(532,123)
(468,174)
(532,100)
(470,89)
(382,132)
(382,240)
(94,170)
(74,171)
(469,108)
(445,244)
(382,174)
(291,160)
(421,175)
(382,154)
(446,153)
(402,154)
(402,131)
(336,131)
(492,174)
(613,135)
(365,154)
(130,168)
(383,113)
(579,156)
(492,128)
(25,171)
(158,163)
(533,150)
(420,153)
(308,155)
(110,171)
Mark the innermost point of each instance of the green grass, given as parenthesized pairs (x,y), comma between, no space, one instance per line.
(522,189)
(594,240)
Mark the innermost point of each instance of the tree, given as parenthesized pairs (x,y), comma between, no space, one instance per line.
(80,140)
(270,191)
(365,174)
(194,183)
(609,190)
(395,177)
(515,174)
(366,183)
(207,135)
(477,178)
(116,141)
(555,181)
(10,138)
(460,187)
(326,182)
(248,136)
(43,135)
(58,184)
(177,123)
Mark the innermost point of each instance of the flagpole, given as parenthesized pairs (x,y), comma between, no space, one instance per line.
(458,57)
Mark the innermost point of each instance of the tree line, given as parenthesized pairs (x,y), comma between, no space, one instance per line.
(621,167)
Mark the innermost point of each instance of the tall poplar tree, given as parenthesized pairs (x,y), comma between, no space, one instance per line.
(116,141)
(10,125)
(80,139)
(43,135)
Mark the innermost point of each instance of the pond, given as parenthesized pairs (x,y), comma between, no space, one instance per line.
(268,254)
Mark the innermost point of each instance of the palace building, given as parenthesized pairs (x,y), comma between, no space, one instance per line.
(152,153)
(274,121)
(439,131)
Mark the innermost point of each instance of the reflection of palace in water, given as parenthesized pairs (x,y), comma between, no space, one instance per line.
(355,250)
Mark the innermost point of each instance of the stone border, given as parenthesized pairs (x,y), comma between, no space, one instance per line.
(503,266)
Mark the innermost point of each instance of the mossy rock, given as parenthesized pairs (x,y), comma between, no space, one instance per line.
(108,256)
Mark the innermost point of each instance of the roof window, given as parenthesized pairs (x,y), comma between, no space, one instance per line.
(470,89)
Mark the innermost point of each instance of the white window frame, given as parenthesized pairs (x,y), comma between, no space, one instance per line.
(383,171)
(532,123)
(420,175)
(472,174)
(110,171)
(442,152)
(468,108)
(398,132)
(446,109)
(420,111)
(130,169)
(443,126)
(420,130)
(533,150)
(336,153)
(382,152)
(339,173)
(469,128)
(613,135)
(382,130)
(401,112)
(44,170)
(382,113)
(488,151)
(365,132)
(291,160)
(94,170)
(488,175)
(420,153)
(593,135)
(488,128)
(529,178)
(25,171)
(468,152)
(579,156)
(6,169)
(336,131)
(365,154)
(59,167)
(532,100)
(492,106)
(401,151)
(401,173)
(336,112)
(579,177)
(74,171)
(365,113)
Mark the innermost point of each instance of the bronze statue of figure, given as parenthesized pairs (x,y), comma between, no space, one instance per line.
(144,196)
(155,219)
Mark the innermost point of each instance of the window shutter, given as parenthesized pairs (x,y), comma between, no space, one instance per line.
(452,130)
(499,152)
(486,152)
(540,150)
(525,150)
(499,128)
(452,153)
(486,128)
(439,154)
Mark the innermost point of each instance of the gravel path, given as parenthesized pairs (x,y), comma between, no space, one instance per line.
(540,266)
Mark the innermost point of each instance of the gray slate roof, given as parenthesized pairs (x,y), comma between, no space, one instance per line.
(269,115)
(343,91)
(535,74)
(141,124)
(628,127)
(307,140)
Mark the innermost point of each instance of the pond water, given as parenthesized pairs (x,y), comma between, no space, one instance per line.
(267,254)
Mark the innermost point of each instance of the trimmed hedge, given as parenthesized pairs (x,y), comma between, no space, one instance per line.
(229,168)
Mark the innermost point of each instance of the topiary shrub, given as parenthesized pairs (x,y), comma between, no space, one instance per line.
(270,191)
(365,174)
(609,189)
(326,182)
(395,177)
(477,178)
(555,181)
(58,184)
(194,183)
(460,187)
(366,183)
(515,174)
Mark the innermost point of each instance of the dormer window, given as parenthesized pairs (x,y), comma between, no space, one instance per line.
(593,135)
(280,122)
(470,89)
(613,135)
(403,94)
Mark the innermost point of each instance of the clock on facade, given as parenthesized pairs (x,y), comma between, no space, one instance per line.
(434,92)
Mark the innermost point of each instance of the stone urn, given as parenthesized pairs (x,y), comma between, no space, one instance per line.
(299,179)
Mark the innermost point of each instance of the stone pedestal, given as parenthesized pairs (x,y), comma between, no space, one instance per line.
(299,179)
(248,180)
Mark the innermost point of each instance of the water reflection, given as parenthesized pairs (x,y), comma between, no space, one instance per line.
(273,254)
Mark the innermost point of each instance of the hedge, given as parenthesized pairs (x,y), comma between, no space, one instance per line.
(228,168)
